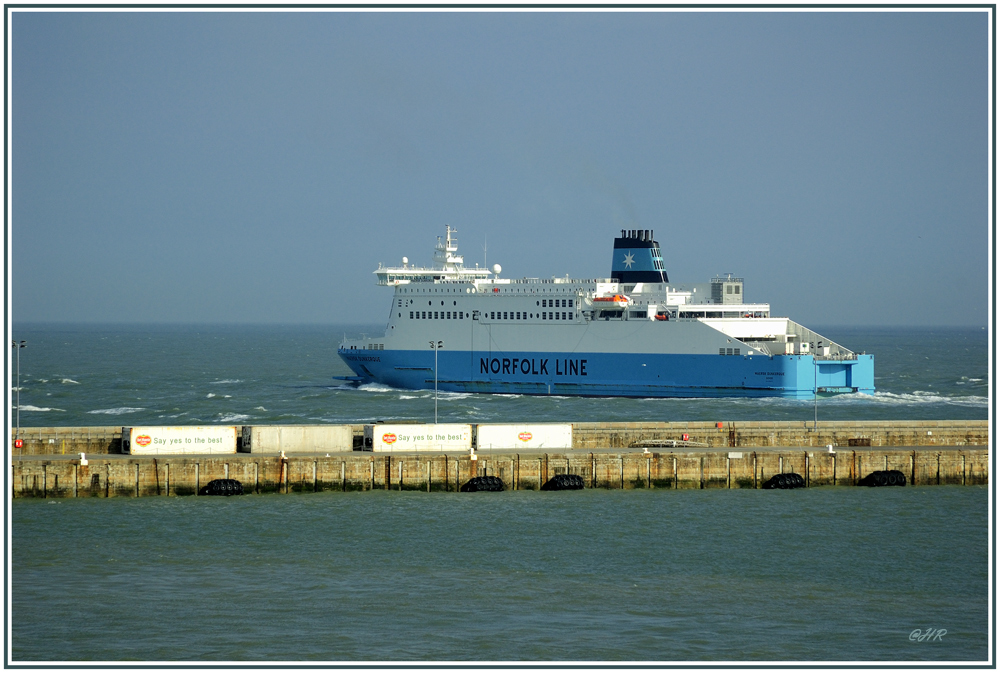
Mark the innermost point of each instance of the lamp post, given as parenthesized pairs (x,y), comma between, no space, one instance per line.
(815,393)
(436,346)
(17,346)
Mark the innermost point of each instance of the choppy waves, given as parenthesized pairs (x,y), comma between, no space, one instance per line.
(168,372)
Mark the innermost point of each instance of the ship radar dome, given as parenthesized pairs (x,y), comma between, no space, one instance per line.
(496,269)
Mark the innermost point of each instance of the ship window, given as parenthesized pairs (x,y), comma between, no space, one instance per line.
(411,315)
(537,304)
(518,315)
(399,315)
(722,351)
(428,303)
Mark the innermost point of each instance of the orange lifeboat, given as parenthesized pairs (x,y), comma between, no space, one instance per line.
(618,300)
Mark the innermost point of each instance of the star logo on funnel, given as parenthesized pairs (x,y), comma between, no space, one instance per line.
(628,260)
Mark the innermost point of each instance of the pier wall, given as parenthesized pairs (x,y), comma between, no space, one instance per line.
(732,434)
(138,476)
(736,434)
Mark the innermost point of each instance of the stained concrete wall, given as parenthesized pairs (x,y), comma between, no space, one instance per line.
(68,441)
(785,433)
(185,475)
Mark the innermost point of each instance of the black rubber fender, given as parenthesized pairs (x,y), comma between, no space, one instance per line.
(785,480)
(880,478)
(222,487)
(564,482)
(476,484)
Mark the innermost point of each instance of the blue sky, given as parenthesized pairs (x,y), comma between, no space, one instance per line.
(256,167)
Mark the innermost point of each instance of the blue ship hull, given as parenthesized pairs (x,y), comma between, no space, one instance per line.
(614,375)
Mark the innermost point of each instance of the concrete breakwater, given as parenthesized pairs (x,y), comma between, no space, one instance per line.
(136,476)
(601,436)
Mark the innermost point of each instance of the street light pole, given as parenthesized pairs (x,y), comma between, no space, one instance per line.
(815,393)
(436,347)
(17,347)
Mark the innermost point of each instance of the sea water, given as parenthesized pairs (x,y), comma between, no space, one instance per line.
(128,375)
(830,574)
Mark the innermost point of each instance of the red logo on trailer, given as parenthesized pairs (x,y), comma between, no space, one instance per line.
(18,443)
(143,440)
(524,436)
(684,436)
(389,437)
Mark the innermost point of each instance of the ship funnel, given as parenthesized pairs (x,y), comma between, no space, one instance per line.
(637,258)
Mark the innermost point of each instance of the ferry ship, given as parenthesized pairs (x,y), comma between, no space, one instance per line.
(635,334)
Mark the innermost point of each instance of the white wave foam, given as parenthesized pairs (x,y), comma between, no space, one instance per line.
(233,418)
(43,380)
(376,388)
(259,409)
(29,407)
(210,396)
(212,383)
(925,397)
(117,411)
(69,381)
(408,397)
(448,395)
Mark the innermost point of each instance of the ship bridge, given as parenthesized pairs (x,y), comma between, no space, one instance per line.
(447,265)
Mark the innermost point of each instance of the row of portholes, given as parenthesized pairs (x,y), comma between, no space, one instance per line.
(517,290)
(467,290)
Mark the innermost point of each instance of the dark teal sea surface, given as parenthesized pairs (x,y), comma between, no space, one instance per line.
(128,375)
(833,574)
(822,574)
